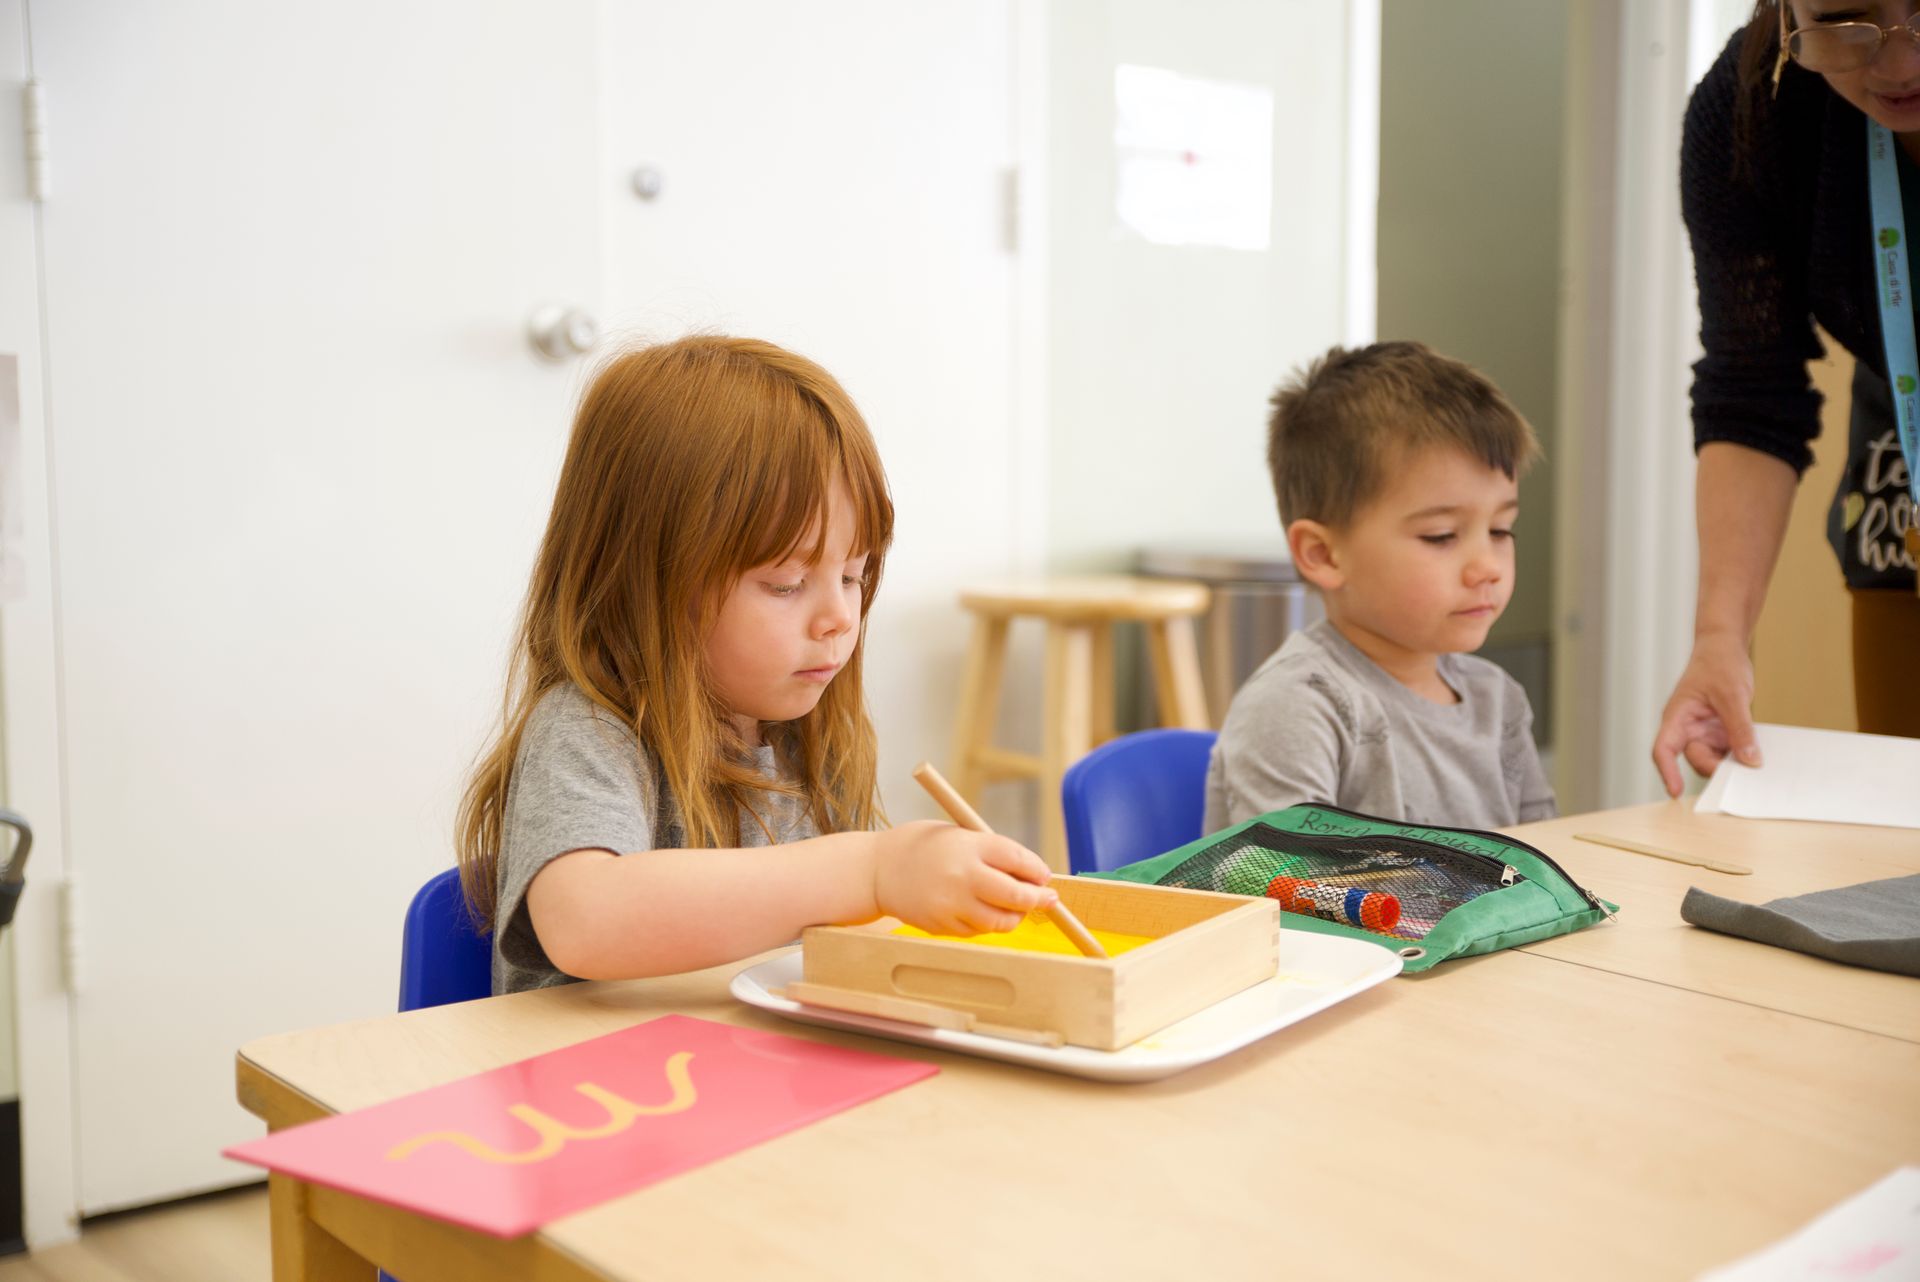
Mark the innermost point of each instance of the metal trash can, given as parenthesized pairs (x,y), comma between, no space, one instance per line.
(1258,601)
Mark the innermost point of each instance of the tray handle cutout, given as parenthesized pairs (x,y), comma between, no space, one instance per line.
(908,1011)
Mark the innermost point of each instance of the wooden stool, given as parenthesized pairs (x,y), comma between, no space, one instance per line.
(1077,694)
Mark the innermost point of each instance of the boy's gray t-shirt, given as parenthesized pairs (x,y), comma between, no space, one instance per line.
(582,781)
(1320,721)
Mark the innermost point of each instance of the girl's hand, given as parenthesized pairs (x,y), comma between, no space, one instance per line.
(1710,713)
(950,881)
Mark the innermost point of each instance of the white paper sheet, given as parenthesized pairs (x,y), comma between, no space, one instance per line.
(1194,159)
(1826,775)
(1873,1236)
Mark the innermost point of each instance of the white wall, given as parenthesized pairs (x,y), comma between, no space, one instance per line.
(27,658)
(1142,370)
(1470,246)
(9,500)
(1163,357)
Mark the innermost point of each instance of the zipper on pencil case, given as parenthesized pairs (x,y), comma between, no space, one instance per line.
(1508,875)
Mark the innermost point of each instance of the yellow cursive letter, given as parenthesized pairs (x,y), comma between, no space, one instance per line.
(554,1135)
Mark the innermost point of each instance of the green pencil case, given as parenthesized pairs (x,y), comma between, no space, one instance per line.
(1427,893)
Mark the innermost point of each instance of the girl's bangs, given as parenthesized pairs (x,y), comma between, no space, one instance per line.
(867,491)
(795,484)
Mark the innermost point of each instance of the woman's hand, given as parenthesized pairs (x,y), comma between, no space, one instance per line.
(951,881)
(1742,500)
(1710,712)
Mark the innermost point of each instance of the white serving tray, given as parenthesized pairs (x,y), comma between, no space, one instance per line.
(1315,972)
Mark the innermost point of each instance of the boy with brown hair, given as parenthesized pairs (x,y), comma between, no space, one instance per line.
(1397,474)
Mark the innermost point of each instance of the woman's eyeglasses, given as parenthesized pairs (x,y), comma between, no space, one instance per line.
(1837,46)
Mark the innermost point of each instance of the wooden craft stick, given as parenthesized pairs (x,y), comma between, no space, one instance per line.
(1640,848)
(961,813)
(1031,1036)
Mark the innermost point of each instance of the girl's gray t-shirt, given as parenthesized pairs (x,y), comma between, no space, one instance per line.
(582,781)
(1320,721)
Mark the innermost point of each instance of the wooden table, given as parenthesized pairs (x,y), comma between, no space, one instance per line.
(1649,941)
(1644,1105)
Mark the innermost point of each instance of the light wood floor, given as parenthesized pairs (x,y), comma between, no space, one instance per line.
(218,1238)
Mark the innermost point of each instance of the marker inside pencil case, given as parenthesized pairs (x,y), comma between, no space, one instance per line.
(1459,891)
(1350,904)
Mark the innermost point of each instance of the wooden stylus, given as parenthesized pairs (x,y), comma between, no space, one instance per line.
(961,813)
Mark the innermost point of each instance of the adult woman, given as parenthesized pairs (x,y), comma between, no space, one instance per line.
(1777,185)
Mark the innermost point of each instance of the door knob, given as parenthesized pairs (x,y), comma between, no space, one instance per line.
(648,182)
(558,332)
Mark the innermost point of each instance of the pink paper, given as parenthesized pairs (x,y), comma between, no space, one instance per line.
(506,1151)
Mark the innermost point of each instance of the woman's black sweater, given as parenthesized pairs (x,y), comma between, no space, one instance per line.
(1779,242)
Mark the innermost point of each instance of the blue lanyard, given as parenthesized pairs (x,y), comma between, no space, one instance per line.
(1896,311)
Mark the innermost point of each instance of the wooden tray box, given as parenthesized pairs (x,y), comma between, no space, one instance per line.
(1206,947)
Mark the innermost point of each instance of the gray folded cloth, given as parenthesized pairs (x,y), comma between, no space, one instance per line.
(1876,923)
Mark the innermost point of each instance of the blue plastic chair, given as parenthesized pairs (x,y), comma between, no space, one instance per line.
(442,957)
(1135,797)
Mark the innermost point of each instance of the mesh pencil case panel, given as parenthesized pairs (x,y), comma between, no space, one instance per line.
(1429,893)
(1389,885)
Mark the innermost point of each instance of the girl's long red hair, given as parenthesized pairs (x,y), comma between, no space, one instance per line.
(689,463)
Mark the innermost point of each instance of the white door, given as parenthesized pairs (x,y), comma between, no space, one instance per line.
(302,451)
(834,176)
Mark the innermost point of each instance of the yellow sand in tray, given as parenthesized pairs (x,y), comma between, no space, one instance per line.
(1036,934)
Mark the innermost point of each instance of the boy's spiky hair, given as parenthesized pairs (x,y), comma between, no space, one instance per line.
(1339,426)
